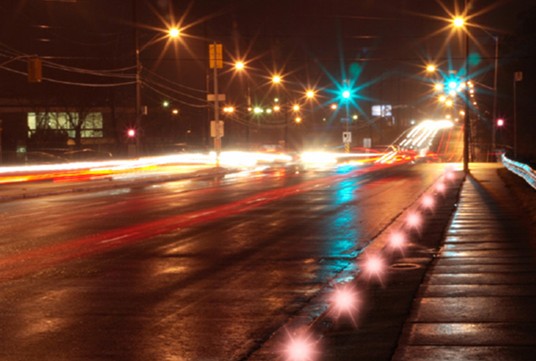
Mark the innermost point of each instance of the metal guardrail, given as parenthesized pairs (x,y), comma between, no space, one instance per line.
(521,169)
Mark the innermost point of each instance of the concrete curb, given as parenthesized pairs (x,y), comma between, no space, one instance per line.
(315,317)
(31,190)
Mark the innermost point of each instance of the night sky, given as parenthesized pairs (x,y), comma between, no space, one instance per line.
(381,46)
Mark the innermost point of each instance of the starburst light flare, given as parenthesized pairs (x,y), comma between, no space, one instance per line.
(414,220)
(373,267)
(345,301)
(300,347)
(397,240)
(428,201)
(440,187)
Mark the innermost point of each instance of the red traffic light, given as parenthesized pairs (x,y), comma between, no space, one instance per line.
(131,133)
(500,122)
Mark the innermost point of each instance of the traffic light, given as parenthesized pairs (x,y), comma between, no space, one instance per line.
(131,133)
(500,122)
(35,71)
(453,85)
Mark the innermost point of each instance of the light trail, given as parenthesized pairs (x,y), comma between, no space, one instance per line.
(29,261)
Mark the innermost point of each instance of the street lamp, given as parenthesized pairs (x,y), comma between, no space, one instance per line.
(240,68)
(276,81)
(346,97)
(310,96)
(495,74)
(459,23)
(172,33)
(239,65)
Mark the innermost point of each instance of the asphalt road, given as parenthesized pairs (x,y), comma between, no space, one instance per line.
(203,269)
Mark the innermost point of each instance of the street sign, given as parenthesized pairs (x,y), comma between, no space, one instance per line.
(216,129)
(35,70)
(215,52)
(212,97)
(347,137)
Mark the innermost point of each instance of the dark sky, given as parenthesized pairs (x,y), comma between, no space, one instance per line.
(371,41)
(319,27)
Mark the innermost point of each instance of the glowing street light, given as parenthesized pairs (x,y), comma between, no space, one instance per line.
(239,65)
(431,68)
(174,32)
(276,79)
(458,22)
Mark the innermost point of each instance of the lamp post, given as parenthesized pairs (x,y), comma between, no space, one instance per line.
(215,63)
(310,96)
(347,138)
(276,81)
(518,76)
(171,33)
(240,67)
(459,22)
(494,112)
(138,103)
(466,118)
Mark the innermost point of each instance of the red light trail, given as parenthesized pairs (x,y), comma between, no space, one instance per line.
(36,259)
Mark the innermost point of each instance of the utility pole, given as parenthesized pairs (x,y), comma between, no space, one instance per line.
(518,76)
(138,78)
(466,120)
(216,62)
(494,114)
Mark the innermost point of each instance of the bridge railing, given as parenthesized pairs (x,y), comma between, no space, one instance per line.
(521,169)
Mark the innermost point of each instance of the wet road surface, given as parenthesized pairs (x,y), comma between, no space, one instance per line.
(188,270)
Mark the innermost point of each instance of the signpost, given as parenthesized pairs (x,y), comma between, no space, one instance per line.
(215,52)
(347,139)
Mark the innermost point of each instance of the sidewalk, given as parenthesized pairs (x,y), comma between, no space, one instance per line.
(478,298)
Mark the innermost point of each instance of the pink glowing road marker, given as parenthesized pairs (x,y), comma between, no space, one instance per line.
(427,201)
(397,240)
(373,266)
(449,173)
(440,187)
(344,301)
(300,348)
(414,220)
